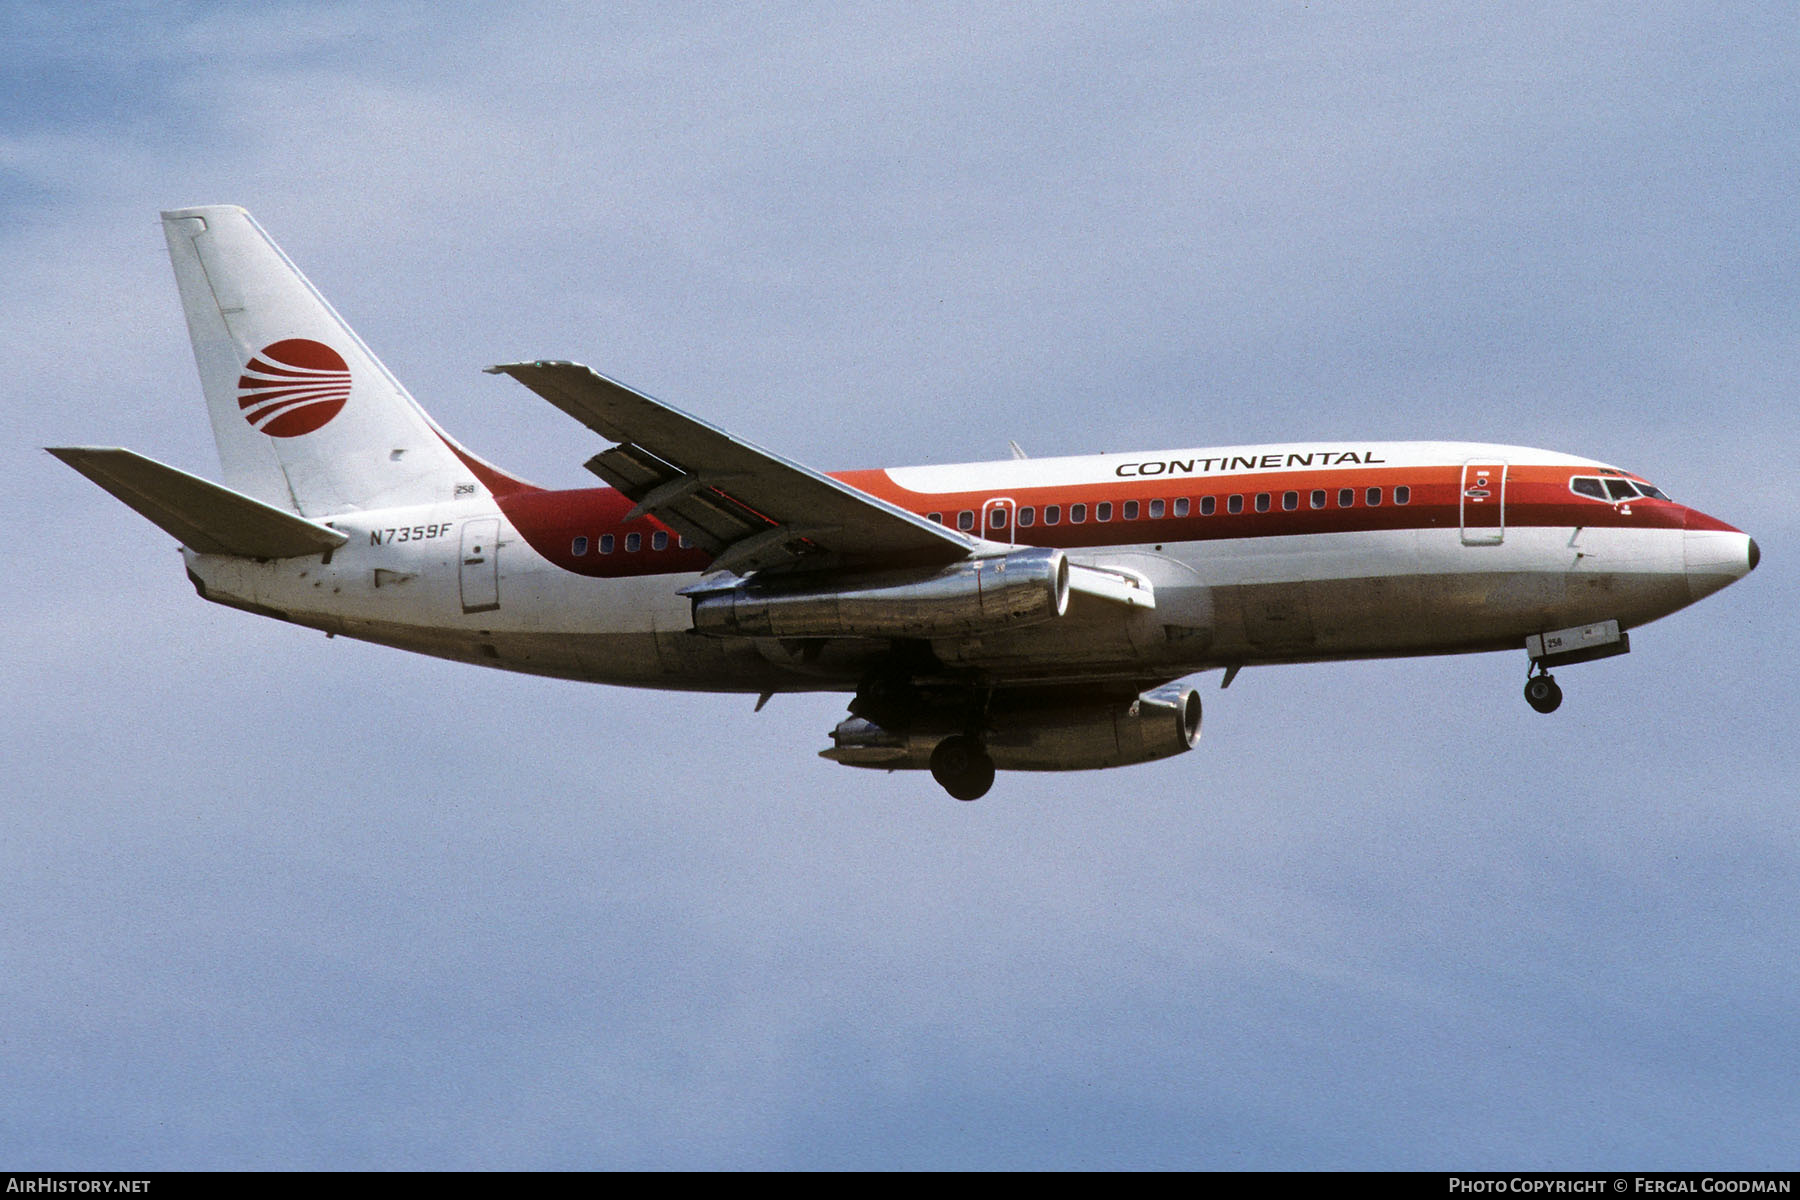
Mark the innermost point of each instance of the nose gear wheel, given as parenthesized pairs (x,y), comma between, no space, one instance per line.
(1542,693)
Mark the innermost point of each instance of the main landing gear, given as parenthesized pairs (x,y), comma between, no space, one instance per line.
(962,767)
(888,698)
(1542,692)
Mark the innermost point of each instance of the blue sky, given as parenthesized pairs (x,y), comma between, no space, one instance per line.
(274,901)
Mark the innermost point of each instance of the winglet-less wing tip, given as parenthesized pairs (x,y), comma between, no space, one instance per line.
(509,368)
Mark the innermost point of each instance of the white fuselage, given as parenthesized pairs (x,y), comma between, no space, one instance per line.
(1032,614)
(1319,560)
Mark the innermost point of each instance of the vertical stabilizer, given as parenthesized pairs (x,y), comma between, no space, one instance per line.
(306,417)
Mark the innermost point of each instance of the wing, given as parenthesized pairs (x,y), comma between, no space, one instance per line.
(752,509)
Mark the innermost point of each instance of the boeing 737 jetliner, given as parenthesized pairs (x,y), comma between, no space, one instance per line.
(1024,615)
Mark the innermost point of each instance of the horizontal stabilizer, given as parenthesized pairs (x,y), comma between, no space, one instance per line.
(198,513)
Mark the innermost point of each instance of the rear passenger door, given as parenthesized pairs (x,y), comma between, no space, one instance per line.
(480,565)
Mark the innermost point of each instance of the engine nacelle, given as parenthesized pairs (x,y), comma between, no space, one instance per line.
(974,597)
(1157,724)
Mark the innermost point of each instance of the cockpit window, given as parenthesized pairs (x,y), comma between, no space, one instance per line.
(1588,487)
(1614,490)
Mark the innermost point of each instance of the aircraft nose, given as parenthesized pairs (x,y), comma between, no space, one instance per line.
(1715,554)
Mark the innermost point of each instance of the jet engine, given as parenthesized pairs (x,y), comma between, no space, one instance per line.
(974,597)
(1063,737)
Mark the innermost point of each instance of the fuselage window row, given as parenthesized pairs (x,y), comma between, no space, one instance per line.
(659,540)
(1131,510)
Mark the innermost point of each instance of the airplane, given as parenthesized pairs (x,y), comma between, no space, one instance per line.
(1030,614)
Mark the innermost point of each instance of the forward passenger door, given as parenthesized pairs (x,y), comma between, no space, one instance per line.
(1483,503)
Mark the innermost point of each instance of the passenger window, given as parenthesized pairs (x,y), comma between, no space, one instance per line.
(606,543)
(1402,495)
(1235,504)
(935,518)
(1262,502)
(578,547)
(1621,489)
(1131,510)
(1290,501)
(1346,497)
(1588,487)
(633,541)
(1052,513)
(1208,506)
(1027,516)
(1318,498)
(996,518)
(659,540)
(1181,506)
(1077,513)
(1103,511)
(1156,509)
(1373,496)
(965,521)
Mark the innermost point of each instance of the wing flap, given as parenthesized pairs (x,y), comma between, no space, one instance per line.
(196,512)
(753,508)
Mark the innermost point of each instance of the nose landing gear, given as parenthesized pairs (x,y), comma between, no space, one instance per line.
(1542,692)
(1563,647)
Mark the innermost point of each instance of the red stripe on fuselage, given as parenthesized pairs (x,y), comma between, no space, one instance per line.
(551,521)
(492,478)
(1535,496)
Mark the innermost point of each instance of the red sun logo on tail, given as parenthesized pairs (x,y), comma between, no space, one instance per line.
(293,387)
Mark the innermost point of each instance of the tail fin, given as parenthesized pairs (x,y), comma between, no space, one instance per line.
(306,417)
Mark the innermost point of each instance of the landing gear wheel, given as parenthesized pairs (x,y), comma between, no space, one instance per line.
(1542,693)
(962,767)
